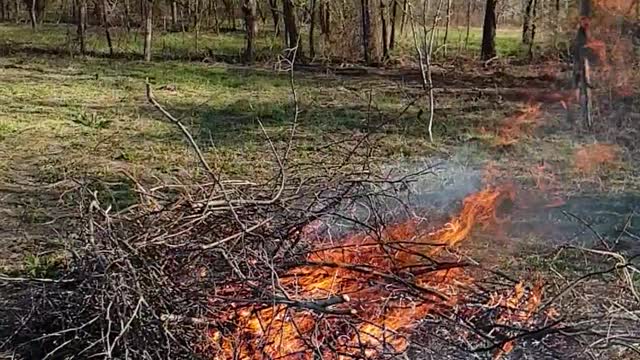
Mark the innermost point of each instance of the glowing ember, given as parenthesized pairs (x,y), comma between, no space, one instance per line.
(361,297)
(590,158)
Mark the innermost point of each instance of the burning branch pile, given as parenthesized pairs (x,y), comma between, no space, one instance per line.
(359,296)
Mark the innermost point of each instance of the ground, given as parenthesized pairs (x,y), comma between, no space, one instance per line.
(64,118)
(77,121)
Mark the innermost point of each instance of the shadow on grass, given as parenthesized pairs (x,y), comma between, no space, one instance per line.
(238,125)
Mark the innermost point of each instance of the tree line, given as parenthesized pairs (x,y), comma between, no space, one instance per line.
(358,30)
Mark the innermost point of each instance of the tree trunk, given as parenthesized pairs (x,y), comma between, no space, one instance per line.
(446,26)
(228,7)
(325,18)
(291,26)
(532,34)
(216,19)
(148,28)
(556,23)
(275,14)
(82,21)
(32,14)
(466,38)
(196,24)
(526,22)
(488,50)
(260,10)
(394,19)
(16,14)
(249,10)
(385,37)
(105,19)
(312,26)
(366,30)
(2,10)
(127,16)
(405,8)
(174,14)
(581,62)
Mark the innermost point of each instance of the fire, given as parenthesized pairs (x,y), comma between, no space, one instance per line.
(611,33)
(516,309)
(520,123)
(546,181)
(362,296)
(590,158)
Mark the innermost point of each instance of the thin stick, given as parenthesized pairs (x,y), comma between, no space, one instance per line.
(235,236)
(184,130)
(6,278)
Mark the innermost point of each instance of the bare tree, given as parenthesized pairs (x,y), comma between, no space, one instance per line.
(325,18)
(581,67)
(446,27)
(532,34)
(466,38)
(82,23)
(526,22)
(127,16)
(228,6)
(425,52)
(312,26)
(148,29)
(105,20)
(32,14)
(291,25)
(394,19)
(249,10)
(275,15)
(405,8)
(174,14)
(488,50)
(16,11)
(197,18)
(385,37)
(366,29)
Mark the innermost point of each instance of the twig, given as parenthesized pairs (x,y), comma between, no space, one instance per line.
(186,320)
(6,278)
(622,264)
(237,235)
(184,130)
(589,226)
(127,325)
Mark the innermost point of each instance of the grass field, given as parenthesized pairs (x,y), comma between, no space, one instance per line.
(226,45)
(65,118)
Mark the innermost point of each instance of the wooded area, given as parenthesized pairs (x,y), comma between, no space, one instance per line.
(352,31)
(319,179)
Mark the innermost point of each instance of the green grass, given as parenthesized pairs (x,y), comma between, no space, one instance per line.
(508,42)
(229,45)
(62,38)
(63,117)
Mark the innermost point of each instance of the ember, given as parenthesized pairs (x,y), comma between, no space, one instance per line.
(365,295)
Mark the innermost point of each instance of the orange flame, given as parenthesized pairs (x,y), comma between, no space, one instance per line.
(516,309)
(590,158)
(363,297)
(520,123)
